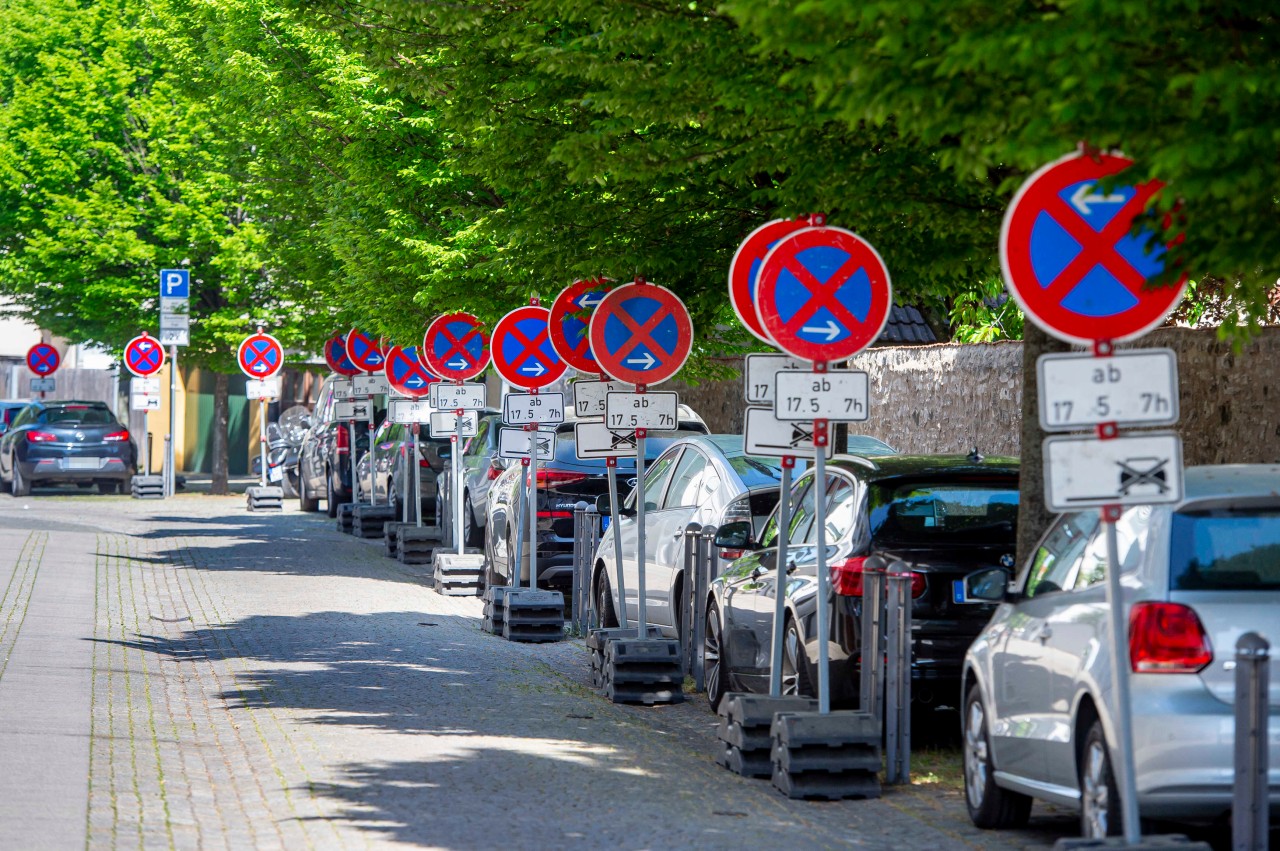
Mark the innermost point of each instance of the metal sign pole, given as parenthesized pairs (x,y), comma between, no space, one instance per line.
(780,586)
(642,616)
(533,505)
(611,465)
(146,442)
(1120,675)
(416,498)
(169,478)
(820,520)
(351,432)
(404,479)
(373,472)
(522,502)
(262,437)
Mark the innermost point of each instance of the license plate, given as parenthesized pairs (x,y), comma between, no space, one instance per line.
(83,463)
(957,592)
(275,474)
(604,523)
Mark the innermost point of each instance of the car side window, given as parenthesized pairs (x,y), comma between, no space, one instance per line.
(24,416)
(655,479)
(686,481)
(841,508)
(802,528)
(1131,531)
(1058,560)
(476,444)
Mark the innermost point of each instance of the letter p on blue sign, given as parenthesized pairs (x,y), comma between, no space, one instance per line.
(175,283)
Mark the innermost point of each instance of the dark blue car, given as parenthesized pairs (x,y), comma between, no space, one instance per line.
(75,442)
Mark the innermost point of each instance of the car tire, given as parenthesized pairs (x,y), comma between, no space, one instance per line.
(1099,796)
(289,485)
(306,502)
(109,487)
(18,484)
(990,807)
(795,665)
(604,602)
(473,535)
(330,499)
(715,673)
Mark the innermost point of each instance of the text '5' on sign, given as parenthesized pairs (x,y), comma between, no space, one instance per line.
(589,396)
(594,440)
(840,396)
(405,411)
(767,435)
(641,410)
(459,397)
(761,371)
(1139,468)
(514,443)
(451,424)
(525,408)
(1130,388)
(361,409)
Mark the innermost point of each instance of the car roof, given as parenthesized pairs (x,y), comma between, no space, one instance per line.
(1224,481)
(901,466)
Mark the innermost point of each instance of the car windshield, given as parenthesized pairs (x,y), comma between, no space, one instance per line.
(755,470)
(1225,550)
(935,512)
(79,414)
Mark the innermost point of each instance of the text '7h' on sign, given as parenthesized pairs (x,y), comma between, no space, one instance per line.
(520,409)
(1070,258)
(824,294)
(627,411)
(641,333)
(522,351)
(455,346)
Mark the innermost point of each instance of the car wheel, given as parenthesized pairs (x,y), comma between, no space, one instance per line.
(990,807)
(306,502)
(330,499)
(714,671)
(473,535)
(604,603)
(109,487)
(289,484)
(795,666)
(1099,798)
(19,486)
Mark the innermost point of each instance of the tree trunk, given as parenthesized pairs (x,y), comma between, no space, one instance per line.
(1033,517)
(218,447)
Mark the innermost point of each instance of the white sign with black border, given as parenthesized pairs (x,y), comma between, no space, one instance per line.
(175,337)
(626,411)
(341,388)
(448,424)
(374,384)
(356,409)
(144,386)
(468,396)
(175,322)
(765,434)
(841,396)
(514,443)
(1137,387)
(524,408)
(592,440)
(589,396)
(761,372)
(1140,468)
(262,388)
(407,411)
(43,385)
(143,402)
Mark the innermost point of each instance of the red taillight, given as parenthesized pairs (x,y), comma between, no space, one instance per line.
(548,478)
(730,555)
(846,578)
(494,472)
(41,437)
(1167,638)
(555,515)
(917,585)
(424,463)
(116,437)
(342,440)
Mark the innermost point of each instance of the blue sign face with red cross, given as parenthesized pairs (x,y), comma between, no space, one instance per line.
(824,294)
(641,333)
(1070,257)
(260,356)
(571,319)
(522,350)
(744,270)
(455,346)
(364,351)
(43,359)
(406,373)
(335,355)
(143,356)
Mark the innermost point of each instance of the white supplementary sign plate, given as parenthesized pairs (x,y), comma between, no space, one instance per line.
(174,305)
(262,388)
(43,385)
(370,385)
(524,408)
(341,389)
(144,386)
(1129,388)
(468,396)
(143,402)
(409,411)
(761,371)
(840,396)
(449,424)
(175,322)
(356,409)
(589,396)
(175,337)
(765,434)
(593,440)
(625,411)
(1082,471)
(514,443)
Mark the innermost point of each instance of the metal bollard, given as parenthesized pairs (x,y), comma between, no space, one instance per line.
(692,565)
(898,675)
(707,560)
(871,667)
(592,541)
(709,552)
(579,535)
(1250,807)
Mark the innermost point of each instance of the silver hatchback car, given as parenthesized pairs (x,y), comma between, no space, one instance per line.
(1038,715)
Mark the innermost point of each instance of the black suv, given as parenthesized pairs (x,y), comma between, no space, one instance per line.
(324,461)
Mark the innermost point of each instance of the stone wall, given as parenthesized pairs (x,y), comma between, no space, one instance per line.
(951,398)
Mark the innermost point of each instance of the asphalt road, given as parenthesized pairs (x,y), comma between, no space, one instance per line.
(186,674)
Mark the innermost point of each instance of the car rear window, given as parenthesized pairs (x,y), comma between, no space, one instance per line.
(1225,550)
(82,414)
(967,512)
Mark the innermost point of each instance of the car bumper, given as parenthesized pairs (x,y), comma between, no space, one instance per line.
(74,469)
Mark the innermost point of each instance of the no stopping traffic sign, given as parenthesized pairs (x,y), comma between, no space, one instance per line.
(455,346)
(43,359)
(260,356)
(143,355)
(522,350)
(641,333)
(335,355)
(571,320)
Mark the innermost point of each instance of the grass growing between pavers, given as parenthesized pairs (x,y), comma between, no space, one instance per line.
(17,593)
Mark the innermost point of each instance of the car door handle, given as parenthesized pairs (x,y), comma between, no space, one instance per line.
(1045,633)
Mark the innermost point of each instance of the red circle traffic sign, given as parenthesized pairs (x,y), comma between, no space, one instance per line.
(744,270)
(1070,259)
(641,334)
(43,359)
(260,356)
(571,320)
(455,346)
(364,351)
(143,355)
(824,294)
(406,374)
(522,351)
(335,355)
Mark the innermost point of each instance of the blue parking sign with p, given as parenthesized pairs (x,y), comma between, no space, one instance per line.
(175,283)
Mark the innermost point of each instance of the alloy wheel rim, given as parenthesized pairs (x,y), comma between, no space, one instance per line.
(711,652)
(790,663)
(975,755)
(1094,793)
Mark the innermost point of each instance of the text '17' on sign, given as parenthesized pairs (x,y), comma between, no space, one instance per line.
(760,372)
(451,424)
(594,440)
(358,409)
(840,396)
(446,396)
(514,443)
(524,408)
(1129,388)
(589,396)
(1139,468)
(641,410)
(767,435)
(406,411)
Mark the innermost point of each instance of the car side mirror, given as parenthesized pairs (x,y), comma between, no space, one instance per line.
(603,507)
(735,536)
(985,586)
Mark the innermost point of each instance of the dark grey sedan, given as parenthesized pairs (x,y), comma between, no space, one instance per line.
(79,442)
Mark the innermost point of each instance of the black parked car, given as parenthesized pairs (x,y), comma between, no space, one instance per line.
(79,442)
(324,460)
(945,516)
